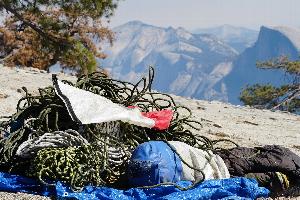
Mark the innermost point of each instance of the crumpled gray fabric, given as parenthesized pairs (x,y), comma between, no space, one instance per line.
(263,163)
(270,158)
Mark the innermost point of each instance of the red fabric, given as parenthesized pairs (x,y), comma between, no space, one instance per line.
(162,118)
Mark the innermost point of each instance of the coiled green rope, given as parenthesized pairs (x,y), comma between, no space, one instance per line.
(77,166)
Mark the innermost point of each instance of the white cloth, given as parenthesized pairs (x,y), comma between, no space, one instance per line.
(88,108)
(210,164)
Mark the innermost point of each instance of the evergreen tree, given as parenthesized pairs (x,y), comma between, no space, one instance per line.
(285,97)
(40,33)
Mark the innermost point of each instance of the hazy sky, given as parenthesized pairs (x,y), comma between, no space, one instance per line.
(193,14)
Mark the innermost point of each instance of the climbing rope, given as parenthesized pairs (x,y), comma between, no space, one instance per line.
(66,138)
(61,149)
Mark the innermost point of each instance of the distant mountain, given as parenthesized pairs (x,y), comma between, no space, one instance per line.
(271,43)
(237,37)
(186,64)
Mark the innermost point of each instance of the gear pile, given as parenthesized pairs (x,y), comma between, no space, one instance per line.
(42,141)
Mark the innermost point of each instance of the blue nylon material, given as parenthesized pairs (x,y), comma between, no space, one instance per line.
(235,188)
(152,163)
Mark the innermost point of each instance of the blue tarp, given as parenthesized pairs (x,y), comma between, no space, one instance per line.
(235,188)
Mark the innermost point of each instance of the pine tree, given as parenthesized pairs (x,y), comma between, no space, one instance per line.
(40,33)
(285,97)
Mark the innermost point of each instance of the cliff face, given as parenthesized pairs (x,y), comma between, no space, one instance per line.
(239,38)
(186,64)
(198,65)
(271,43)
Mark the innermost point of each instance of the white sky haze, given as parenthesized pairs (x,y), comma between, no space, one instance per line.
(193,14)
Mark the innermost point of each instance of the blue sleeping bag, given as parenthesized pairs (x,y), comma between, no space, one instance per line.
(153,163)
(157,162)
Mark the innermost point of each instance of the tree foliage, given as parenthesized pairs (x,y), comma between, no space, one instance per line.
(285,97)
(40,33)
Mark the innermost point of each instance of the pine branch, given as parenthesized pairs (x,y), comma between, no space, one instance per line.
(295,94)
(51,38)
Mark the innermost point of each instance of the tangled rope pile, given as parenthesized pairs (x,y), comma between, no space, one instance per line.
(42,138)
